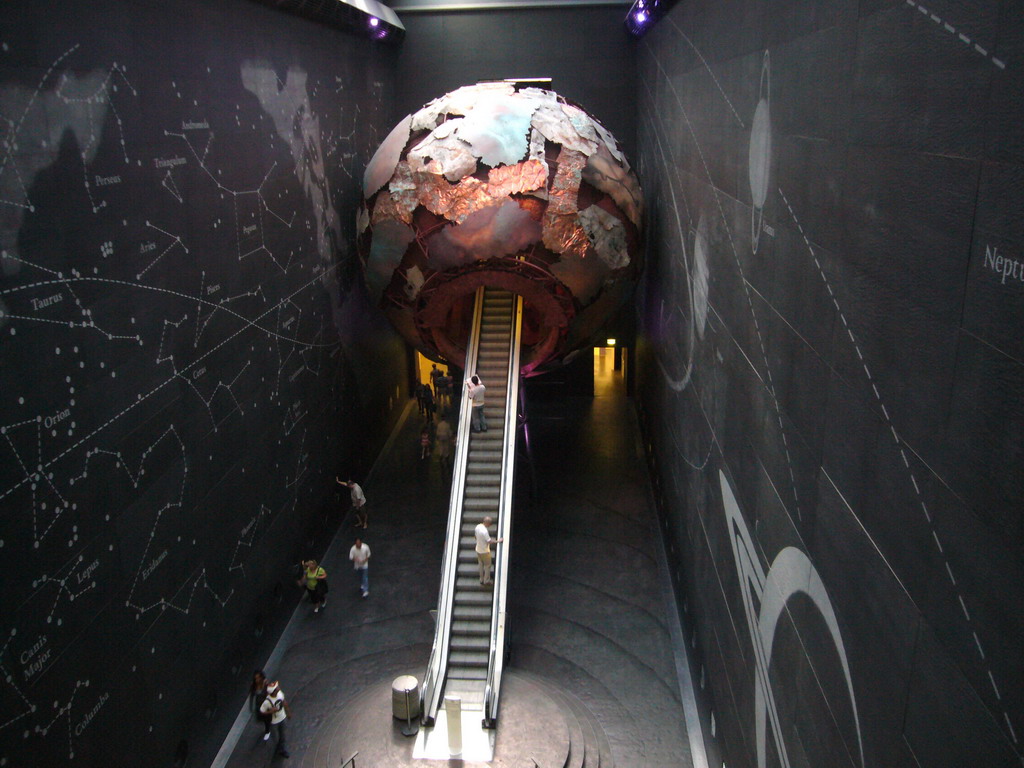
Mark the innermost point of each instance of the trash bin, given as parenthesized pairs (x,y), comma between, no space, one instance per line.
(399,688)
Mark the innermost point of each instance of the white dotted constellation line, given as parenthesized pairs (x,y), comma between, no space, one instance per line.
(172,187)
(769,384)
(349,138)
(95,98)
(141,398)
(120,462)
(65,710)
(10,144)
(282,361)
(254,525)
(216,389)
(906,463)
(163,604)
(220,384)
(163,334)
(960,35)
(258,192)
(62,587)
(299,474)
(10,679)
(200,329)
(35,476)
(84,279)
(707,67)
(156,525)
(89,101)
(66,282)
(175,241)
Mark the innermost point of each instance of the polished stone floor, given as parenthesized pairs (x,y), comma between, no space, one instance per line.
(593,663)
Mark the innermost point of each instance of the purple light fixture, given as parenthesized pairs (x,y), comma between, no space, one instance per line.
(644,13)
(366,17)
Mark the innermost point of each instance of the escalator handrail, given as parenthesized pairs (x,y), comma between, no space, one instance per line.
(496,658)
(433,680)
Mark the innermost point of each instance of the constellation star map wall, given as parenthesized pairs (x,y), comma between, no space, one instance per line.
(178,330)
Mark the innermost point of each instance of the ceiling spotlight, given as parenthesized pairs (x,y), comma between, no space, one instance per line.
(374,21)
(644,14)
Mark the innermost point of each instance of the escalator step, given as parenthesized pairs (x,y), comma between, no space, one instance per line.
(466,673)
(471,628)
(470,643)
(474,598)
(471,612)
(466,659)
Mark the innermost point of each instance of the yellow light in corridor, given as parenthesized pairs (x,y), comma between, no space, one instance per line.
(609,342)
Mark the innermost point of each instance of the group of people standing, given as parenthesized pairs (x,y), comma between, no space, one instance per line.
(441,381)
(439,437)
(437,395)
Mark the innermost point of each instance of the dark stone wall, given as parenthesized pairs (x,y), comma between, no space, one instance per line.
(586,51)
(186,357)
(832,372)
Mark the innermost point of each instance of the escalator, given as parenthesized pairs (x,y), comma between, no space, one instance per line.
(468,653)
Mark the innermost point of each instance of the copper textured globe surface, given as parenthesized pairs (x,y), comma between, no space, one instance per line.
(517,189)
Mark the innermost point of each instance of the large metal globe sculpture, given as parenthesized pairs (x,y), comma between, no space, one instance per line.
(516,189)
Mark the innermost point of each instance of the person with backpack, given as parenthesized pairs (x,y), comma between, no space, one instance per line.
(275,708)
(314,578)
(258,692)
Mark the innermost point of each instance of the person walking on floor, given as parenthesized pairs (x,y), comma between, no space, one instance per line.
(421,402)
(476,390)
(429,404)
(447,385)
(314,579)
(275,707)
(444,445)
(257,692)
(358,501)
(483,549)
(435,374)
(360,557)
(425,442)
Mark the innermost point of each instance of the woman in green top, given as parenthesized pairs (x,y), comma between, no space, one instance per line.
(314,578)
